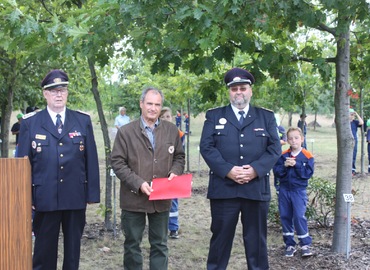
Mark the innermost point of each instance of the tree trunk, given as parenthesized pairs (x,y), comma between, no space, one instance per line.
(290,119)
(362,139)
(345,141)
(6,114)
(187,136)
(107,146)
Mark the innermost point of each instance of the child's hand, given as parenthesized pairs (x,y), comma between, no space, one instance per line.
(289,162)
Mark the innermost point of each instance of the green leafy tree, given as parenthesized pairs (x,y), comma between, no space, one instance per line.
(195,35)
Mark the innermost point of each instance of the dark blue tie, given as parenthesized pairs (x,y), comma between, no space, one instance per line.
(241,119)
(59,124)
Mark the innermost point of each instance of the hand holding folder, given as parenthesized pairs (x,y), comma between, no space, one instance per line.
(178,187)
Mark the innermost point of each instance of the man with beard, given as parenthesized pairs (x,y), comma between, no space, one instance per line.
(240,144)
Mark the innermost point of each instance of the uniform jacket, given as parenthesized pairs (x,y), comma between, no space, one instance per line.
(295,178)
(224,144)
(65,169)
(134,161)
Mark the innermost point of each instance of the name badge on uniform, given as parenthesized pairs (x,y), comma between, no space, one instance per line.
(40,137)
(220,127)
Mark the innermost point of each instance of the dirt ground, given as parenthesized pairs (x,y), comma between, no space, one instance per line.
(103,249)
(190,250)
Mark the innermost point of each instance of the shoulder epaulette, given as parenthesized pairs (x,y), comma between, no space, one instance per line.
(266,109)
(214,108)
(28,115)
(86,113)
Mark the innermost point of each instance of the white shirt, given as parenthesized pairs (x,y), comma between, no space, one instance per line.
(236,111)
(53,115)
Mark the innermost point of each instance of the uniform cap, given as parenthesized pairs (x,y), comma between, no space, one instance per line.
(55,78)
(238,76)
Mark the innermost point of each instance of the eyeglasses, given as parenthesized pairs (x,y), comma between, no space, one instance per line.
(236,88)
(60,90)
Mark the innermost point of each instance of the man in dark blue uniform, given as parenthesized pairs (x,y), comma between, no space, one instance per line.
(240,144)
(60,145)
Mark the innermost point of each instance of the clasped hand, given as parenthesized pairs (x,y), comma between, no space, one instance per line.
(289,162)
(242,174)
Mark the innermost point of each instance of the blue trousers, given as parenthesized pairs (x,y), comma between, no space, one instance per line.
(225,216)
(354,156)
(173,223)
(292,208)
(46,227)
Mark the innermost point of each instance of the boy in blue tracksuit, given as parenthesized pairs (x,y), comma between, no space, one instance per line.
(294,168)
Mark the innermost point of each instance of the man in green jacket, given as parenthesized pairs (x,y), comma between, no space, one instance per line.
(143,150)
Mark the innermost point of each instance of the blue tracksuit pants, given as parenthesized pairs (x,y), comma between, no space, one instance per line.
(292,208)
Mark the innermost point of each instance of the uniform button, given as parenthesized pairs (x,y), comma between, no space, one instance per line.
(241,145)
(60,144)
(154,176)
(61,155)
(242,135)
(155,160)
(241,157)
(61,167)
(263,134)
(61,180)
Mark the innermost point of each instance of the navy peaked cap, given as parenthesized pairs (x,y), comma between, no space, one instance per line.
(55,78)
(238,76)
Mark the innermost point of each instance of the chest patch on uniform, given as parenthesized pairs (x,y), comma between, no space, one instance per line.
(74,134)
(222,121)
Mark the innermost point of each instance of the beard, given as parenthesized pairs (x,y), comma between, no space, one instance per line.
(240,101)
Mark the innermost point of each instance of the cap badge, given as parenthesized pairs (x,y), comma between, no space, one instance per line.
(237,79)
(57,80)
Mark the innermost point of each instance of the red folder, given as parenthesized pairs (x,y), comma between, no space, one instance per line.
(178,187)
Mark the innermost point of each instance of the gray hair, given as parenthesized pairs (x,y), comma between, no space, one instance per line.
(146,90)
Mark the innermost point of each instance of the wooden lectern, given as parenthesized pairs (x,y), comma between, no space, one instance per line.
(15,214)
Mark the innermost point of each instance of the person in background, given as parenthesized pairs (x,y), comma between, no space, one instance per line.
(178,119)
(15,131)
(32,109)
(144,149)
(173,224)
(187,124)
(61,148)
(281,131)
(356,122)
(303,126)
(121,119)
(240,145)
(294,168)
(368,142)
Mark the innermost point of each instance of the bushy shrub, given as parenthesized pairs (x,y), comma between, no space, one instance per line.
(321,201)
(273,215)
(320,206)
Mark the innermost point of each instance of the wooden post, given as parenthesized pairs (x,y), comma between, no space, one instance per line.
(15,214)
